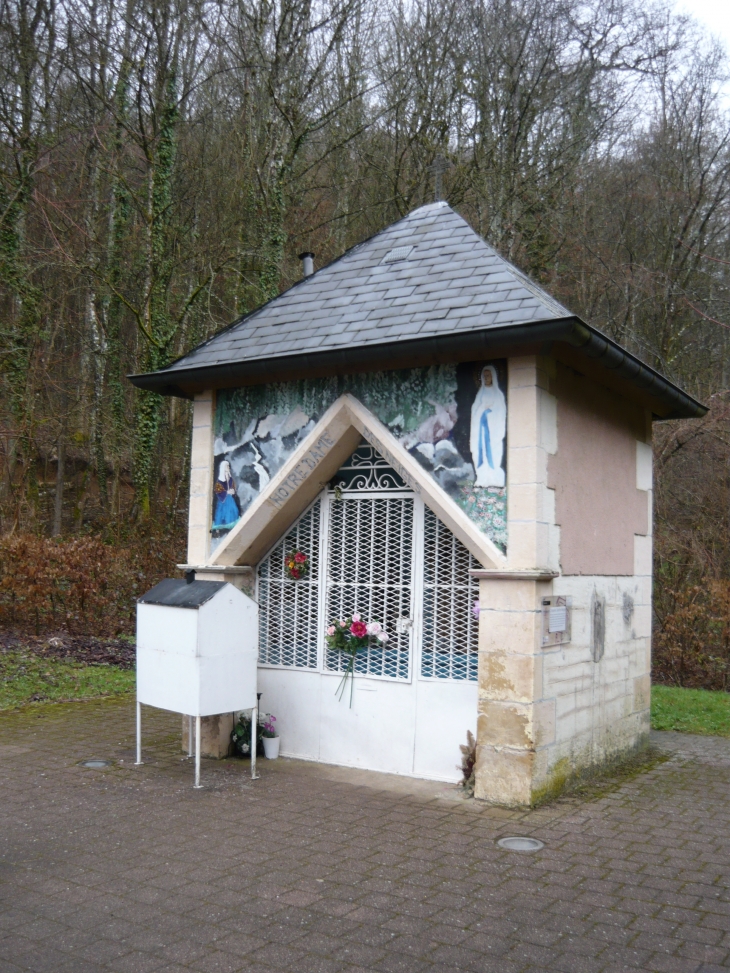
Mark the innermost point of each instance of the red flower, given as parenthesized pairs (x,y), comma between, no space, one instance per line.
(300,558)
(359,629)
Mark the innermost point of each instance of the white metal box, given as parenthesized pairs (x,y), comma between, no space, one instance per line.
(197,648)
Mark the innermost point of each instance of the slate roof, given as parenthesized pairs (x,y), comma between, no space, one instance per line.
(427,288)
(451,281)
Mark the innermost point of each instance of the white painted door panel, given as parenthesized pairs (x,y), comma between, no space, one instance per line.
(444,712)
(293,697)
(377,733)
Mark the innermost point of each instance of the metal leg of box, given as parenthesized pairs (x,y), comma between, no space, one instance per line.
(197,752)
(254,741)
(190,737)
(139,734)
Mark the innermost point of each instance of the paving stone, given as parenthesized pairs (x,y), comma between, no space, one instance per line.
(316,869)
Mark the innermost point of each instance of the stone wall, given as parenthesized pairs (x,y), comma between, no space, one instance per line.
(547,714)
(201,479)
(599,694)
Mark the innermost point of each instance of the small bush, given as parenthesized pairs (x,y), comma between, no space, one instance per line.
(82,585)
(691,645)
(468,764)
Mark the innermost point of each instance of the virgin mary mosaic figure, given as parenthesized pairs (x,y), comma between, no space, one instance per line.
(226,512)
(488,428)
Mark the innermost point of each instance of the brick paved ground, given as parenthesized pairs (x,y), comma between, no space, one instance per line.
(317,870)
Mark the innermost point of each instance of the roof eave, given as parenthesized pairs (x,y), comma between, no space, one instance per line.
(566,335)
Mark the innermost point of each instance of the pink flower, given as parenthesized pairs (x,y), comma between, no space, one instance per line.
(476,609)
(383,637)
(359,629)
(356,616)
(330,629)
(300,558)
(374,628)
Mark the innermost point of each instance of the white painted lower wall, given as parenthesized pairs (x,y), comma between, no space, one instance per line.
(409,728)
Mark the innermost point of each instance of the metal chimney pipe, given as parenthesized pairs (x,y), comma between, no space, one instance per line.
(307,260)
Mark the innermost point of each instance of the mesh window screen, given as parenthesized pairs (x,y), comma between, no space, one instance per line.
(288,608)
(450,628)
(369,571)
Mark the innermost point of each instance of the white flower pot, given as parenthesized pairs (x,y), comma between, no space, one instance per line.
(271,747)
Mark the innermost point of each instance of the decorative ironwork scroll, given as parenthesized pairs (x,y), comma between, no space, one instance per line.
(366,469)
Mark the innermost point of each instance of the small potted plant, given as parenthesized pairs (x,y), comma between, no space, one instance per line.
(270,737)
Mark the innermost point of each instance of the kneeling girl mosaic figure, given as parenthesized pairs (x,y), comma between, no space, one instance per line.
(226,512)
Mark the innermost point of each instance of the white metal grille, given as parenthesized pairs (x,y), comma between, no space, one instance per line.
(369,571)
(450,625)
(288,609)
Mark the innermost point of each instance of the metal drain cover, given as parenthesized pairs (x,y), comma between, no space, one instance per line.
(94,764)
(517,843)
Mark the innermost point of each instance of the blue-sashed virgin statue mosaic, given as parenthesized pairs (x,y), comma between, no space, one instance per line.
(451,418)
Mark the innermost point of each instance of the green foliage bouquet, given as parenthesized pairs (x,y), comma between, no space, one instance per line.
(241,734)
(352,635)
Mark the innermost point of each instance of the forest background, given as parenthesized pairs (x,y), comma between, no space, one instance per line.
(162,163)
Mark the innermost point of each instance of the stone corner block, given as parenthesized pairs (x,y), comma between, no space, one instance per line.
(215,735)
(544,722)
(505,724)
(642,693)
(507,676)
(503,776)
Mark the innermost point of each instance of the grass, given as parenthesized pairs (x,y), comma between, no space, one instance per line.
(26,678)
(690,710)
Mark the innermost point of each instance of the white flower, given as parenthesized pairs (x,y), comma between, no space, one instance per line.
(356,616)
(383,637)
(374,628)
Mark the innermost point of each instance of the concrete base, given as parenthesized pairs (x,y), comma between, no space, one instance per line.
(215,735)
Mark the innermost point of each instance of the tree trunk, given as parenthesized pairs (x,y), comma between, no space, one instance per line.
(60,475)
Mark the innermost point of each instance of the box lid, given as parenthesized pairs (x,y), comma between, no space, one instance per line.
(177,593)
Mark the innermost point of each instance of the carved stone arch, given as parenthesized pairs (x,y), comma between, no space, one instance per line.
(312,466)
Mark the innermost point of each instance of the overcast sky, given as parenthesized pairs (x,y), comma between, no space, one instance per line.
(714,14)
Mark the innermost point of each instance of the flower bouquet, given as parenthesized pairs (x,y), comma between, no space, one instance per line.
(269,730)
(350,636)
(297,565)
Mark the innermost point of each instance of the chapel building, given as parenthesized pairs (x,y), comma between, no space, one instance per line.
(459,459)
